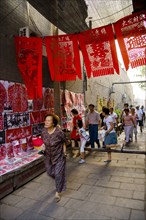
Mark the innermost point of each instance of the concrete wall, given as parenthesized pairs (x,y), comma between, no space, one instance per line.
(14,16)
(100,86)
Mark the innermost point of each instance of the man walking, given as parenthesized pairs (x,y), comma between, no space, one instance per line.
(93,119)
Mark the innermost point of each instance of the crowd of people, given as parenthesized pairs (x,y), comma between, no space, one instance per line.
(55,140)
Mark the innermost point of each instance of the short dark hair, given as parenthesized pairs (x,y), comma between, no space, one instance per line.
(111,108)
(74,111)
(106,110)
(55,118)
(126,109)
(126,104)
(92,105)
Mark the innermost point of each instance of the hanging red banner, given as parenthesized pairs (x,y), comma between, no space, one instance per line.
(63,57)
(131,36)
(99,51)
(29,58)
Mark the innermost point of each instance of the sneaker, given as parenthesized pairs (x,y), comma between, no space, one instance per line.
(82,161)
(107,161)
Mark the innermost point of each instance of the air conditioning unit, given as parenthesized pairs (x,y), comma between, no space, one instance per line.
(24,32)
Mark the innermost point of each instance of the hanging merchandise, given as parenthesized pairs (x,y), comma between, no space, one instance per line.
(99,51)
(63,57)
(29,58)
(131,36)
(3,97)
(17,97)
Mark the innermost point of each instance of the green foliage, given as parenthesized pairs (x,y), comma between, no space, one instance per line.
(118,112)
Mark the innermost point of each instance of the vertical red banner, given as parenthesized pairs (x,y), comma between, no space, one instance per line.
(99,51)
(63,57)
(29,59)
(131,35)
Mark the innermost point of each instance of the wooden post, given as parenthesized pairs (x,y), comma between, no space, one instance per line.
(57,105)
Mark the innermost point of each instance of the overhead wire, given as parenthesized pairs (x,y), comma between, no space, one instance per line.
(112,14)
(11,11)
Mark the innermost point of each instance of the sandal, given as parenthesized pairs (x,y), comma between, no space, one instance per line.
(57,198)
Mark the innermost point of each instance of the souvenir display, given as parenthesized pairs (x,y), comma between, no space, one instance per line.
(37,129)
(2,137)
(22,121)
(16,147)
(17,96)
(14,120)
(3,96)
(35,117)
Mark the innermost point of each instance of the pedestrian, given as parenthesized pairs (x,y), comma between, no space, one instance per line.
(55,150)
(110,139)
(75,137)
(142,108)
(126,106)
(84,137)
(128,124)
(135,119)
(100,132)
(93,120)
(140,117)
(114,116)
(102,117)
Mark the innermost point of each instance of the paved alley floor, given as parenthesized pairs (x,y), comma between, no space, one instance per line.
(95,190)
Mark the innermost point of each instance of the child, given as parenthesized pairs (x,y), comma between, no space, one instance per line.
(84,137)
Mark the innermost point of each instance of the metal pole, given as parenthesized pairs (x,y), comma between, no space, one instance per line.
(128,82)
(113,150)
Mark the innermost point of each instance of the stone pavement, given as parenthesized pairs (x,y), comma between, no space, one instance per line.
(95,190)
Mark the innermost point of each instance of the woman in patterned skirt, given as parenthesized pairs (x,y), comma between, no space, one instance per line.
(55,149)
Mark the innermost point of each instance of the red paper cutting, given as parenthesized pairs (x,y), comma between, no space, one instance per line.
(131,36)
(99,51)
(63,57)
(17,96)
(3,97)
(29,58)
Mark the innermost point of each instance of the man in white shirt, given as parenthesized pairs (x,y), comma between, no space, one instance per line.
(140,117)
(114,116)
(93,120)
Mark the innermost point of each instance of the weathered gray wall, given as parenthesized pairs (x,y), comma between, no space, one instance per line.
(14,15)
(101,86)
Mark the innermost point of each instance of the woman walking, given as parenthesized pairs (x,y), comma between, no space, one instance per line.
(75,137)
(110,139)
(55,148)
(128,123)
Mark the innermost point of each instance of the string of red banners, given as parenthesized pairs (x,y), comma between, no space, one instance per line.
(97,46)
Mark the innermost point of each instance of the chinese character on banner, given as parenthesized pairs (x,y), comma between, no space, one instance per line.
(131,36)
(99,51)
(29,59)
(63,57)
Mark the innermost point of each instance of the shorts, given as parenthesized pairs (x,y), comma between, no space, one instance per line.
(140,123)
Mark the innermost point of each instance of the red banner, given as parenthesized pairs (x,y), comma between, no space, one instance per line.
(99,51)
(63,57)
(29,58)
(131,36)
